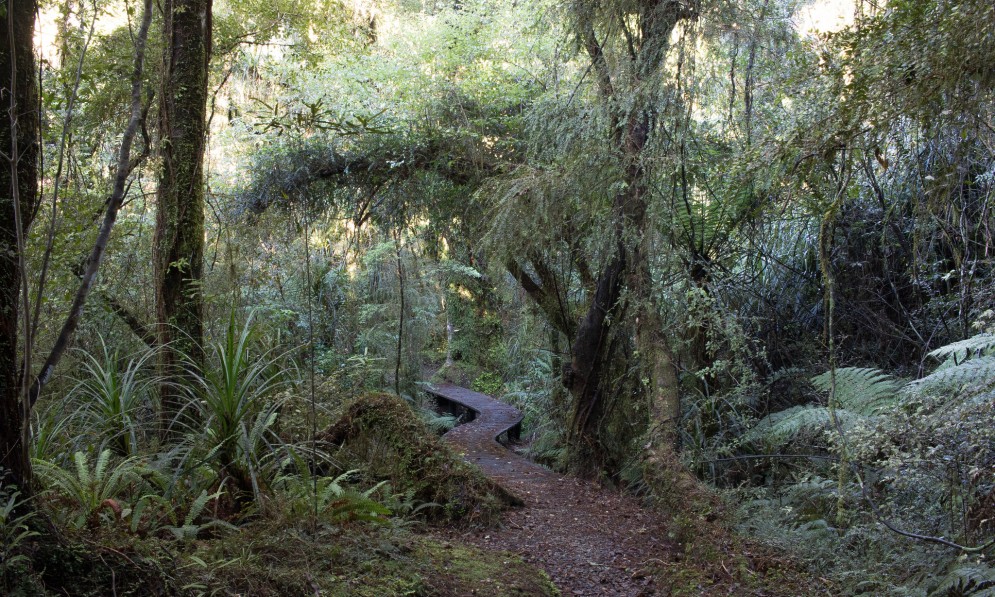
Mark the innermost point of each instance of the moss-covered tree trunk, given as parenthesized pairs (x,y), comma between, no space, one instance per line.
(179,235)
(609,324)
(18,201)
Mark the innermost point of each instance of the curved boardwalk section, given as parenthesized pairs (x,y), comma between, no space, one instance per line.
(478,438)
(591,541)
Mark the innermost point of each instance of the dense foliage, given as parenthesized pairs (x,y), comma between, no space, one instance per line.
(686,238)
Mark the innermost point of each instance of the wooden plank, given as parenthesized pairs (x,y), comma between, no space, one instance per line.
(493,417)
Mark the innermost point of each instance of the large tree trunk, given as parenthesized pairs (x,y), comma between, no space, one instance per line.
(605,327)
(179,235)
(18,201)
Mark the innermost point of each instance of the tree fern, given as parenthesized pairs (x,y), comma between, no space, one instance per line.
(777,429)
(861,394)
(956,377)
(967,577)
(861,390)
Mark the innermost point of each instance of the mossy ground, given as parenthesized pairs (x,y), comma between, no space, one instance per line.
(265,560)
(364,563)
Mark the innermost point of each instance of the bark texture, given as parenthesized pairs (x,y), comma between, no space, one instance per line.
(179,235)
(18,197)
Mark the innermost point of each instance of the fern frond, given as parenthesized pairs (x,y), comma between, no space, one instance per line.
(779,428)
(199,504)
(969,372)
(83,468)
(862,390)
(438,423)
(967,577)
(352,506)
(978,344)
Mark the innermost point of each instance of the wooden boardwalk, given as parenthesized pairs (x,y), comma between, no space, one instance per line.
(477,440)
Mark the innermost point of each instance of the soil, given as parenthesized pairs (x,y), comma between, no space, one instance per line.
(590,540)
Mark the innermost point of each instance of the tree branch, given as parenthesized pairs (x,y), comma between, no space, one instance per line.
(546,301)
(130,319)
(124,168)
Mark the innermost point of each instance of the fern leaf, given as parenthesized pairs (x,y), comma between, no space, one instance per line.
(354,506)
(779,428)
(82,468)
(972,371)
(862,390)
(978,344)
(101,467)
(198,506)
(967,577)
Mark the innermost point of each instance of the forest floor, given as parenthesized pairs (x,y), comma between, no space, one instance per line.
(593,540)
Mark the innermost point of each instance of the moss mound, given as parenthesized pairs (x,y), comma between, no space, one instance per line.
(381,435)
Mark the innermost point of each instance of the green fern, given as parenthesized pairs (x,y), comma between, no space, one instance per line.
(863,391)
(973,371)
(777,429)
(959,351)
(861,394)
(91,489)
(190,529)
(967,577)
(304,493)
(438,423)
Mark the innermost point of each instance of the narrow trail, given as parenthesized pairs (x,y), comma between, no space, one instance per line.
(591,541)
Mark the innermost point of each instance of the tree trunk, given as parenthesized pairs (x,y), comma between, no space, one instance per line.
(179,234)
(604,328)
(657,363)
(18,202)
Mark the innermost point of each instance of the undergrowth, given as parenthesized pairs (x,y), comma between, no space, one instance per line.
(916,456)
(274,558)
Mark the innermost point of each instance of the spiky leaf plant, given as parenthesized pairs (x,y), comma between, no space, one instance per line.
(238,407)
(117,398)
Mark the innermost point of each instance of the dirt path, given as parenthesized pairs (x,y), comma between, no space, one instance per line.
(590,541)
